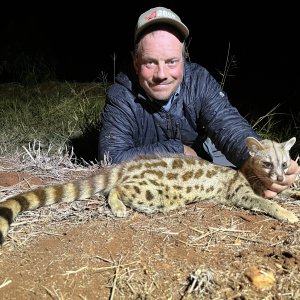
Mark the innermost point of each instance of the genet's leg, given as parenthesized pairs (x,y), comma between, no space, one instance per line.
(117,206)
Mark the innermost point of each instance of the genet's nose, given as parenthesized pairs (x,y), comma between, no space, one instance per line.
(280,178)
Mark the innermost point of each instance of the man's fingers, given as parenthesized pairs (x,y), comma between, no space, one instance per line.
(270,194)
(293,169)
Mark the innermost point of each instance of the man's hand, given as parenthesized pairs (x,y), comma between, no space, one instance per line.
(189,151)
(291,175)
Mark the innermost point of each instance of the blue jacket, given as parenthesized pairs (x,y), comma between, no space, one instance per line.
(132,124)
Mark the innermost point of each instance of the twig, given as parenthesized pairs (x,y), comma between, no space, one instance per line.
(205,234)
(115,266)
(242,238)
(28,153)
(114,283)
(188,244)
(5,283)
(76,271)
(49,233)
(54,296)
(230,230)
(104,259)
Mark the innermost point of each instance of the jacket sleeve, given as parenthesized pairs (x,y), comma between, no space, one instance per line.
(119,132)
(224,124)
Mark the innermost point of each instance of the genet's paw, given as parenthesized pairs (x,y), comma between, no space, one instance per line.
(292,218)
(120,213)
(116,205)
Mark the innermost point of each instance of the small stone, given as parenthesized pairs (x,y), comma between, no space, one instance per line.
(259,278)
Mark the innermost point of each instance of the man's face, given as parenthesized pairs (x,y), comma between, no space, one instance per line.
(159,64)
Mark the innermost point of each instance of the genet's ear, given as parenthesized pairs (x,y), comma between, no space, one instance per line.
(289,144)
(253,145)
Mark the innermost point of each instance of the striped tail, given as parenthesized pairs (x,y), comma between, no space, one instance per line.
(68,192)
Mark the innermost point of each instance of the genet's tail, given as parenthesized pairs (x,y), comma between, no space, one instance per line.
(68,192)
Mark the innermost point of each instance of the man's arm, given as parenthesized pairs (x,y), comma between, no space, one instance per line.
(119,134)
(228,130)
(224,124)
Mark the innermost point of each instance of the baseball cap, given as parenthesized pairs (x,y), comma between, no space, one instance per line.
(159,15)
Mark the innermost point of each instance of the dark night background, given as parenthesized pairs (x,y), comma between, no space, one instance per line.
(79,41)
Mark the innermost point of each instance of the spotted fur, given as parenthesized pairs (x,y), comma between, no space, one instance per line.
(165,182)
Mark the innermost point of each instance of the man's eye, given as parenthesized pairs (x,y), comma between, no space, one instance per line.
(172,62)
(150,64)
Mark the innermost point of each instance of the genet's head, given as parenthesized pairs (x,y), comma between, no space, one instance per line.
(159,52)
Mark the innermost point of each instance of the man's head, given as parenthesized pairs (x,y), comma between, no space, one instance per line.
(159,16)
(159,52)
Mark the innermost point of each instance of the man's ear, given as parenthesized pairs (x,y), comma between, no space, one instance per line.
(135,62)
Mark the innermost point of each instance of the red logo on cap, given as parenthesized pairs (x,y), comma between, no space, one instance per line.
(151,16)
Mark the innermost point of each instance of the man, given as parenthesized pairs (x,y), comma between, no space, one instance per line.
(165,104)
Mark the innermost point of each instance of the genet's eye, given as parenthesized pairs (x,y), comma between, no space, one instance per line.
(284,165)
(267,164)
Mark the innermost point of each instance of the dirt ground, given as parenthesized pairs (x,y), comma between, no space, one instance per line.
(205,251)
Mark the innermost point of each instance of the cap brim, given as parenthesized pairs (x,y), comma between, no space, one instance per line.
(180,26)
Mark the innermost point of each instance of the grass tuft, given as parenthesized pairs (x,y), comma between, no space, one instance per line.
(52,116)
